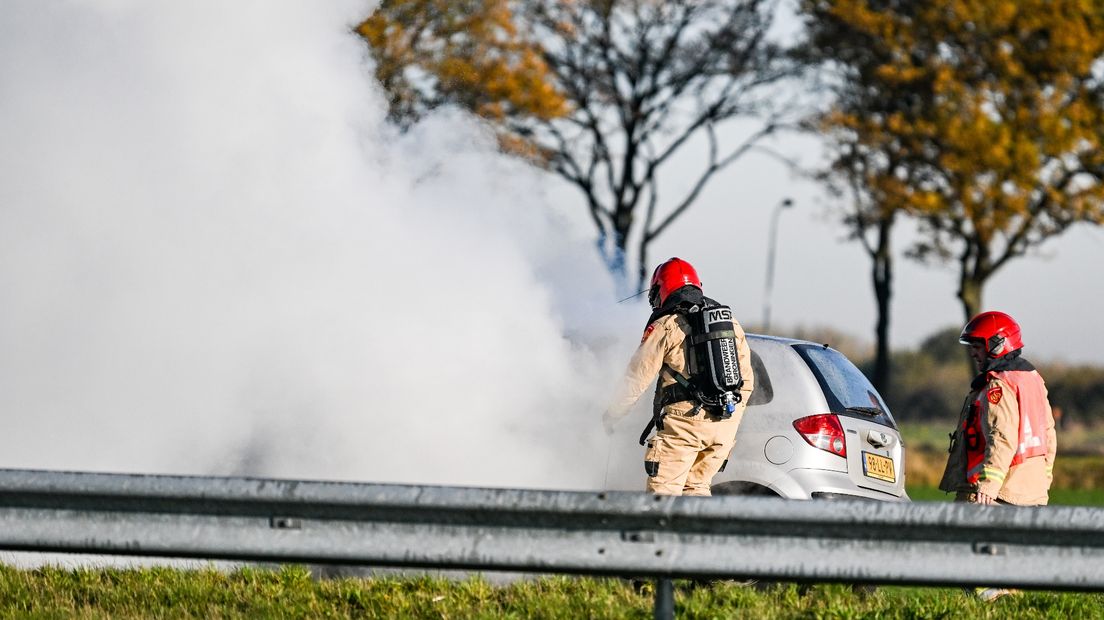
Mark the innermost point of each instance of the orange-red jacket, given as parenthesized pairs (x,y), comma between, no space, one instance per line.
(1031,395)
(1005,442)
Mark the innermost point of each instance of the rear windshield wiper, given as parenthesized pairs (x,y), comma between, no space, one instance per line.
(865,410)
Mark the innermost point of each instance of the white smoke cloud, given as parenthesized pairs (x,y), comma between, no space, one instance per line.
(216,258)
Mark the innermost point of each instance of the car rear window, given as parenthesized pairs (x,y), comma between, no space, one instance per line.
(847,390)
(762,392)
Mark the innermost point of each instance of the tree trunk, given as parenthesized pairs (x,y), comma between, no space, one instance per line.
(882,276)
(618,264)
(642,266)
(612,252)
(969,293)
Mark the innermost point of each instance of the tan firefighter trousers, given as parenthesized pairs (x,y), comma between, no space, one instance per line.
(683,457)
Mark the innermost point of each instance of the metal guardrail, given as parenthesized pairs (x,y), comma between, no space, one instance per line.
(612,533)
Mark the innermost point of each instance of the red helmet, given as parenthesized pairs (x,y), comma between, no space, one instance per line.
(999,332)
(670,276)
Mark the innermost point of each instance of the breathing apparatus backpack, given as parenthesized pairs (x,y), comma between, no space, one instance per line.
(713,362)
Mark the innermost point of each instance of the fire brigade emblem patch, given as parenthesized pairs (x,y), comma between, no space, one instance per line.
(647,332)
(995,394)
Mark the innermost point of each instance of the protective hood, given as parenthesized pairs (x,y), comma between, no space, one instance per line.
(682,298)
(1009,361)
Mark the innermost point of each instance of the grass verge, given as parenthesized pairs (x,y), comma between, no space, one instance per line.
(1058,497)
(290,592)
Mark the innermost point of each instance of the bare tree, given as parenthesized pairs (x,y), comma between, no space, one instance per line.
(627,86)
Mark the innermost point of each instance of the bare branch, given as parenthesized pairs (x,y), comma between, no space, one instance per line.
(637,80)
(715,166)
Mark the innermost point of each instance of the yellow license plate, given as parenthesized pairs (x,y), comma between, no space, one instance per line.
(879,467)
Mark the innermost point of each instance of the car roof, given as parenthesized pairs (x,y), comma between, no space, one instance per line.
(780,341)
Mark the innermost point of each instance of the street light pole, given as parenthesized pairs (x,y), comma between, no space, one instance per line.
(785,203)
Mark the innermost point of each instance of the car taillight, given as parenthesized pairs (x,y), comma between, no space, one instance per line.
(823,431)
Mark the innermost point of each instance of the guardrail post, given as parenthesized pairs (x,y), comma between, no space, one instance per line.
(664,599)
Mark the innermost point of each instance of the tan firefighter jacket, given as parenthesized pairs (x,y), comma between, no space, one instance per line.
(664,342)
(999,472)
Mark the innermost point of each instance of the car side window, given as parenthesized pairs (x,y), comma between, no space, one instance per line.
(763,391)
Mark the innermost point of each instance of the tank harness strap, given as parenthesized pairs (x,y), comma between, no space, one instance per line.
(675,393)
(717,335)
(682,381)
(680,391)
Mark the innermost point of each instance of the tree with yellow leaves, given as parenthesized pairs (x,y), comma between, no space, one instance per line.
(981,118)
(603,93)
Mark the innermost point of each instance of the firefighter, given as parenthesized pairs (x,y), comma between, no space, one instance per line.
(1002,451)
(695,411)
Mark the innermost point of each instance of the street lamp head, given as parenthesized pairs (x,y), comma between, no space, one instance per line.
(787,202)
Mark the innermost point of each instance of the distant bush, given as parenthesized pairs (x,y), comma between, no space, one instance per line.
(943,346)
(923,388)
(930,382)
(1076,392)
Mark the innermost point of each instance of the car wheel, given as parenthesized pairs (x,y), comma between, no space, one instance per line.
(743,488)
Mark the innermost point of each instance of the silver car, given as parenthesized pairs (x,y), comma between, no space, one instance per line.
(815,428)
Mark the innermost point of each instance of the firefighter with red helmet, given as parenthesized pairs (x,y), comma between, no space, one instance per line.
(1003,449)
(699,401)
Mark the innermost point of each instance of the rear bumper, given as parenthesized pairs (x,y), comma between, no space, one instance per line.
(835,485)
(882,497)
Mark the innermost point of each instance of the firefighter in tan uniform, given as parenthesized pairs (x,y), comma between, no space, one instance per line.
(696,412)
(1004,446)
(1003,449)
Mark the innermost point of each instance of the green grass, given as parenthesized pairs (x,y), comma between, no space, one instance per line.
(291,592)
(1072,439)
(1058,497)
(931,434)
